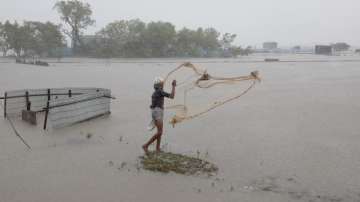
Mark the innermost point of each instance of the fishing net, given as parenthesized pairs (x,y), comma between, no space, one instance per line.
(199,92)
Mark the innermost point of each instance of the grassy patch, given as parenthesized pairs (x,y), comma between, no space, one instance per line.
(181,164)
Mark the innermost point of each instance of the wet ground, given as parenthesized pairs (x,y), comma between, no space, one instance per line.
(295,137)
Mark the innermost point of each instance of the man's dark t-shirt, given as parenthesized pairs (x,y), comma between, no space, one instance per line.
(157,98)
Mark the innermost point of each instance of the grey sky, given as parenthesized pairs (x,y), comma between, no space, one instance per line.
(290,22)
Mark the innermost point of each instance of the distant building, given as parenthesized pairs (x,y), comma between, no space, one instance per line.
(323,50)
(296,49)
(270,45)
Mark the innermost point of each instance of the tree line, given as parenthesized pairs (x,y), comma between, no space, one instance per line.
(122,38)
(31,38)
(135,38)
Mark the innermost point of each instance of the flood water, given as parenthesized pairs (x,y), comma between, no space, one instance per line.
(295,137)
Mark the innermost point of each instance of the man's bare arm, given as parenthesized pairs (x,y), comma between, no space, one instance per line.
(172,95)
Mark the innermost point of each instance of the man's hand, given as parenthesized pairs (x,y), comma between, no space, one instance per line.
(172,95)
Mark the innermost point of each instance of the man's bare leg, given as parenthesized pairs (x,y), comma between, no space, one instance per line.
(158,140)
(159,126)
(158,143)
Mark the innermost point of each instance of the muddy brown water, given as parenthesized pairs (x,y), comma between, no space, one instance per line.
(295,137)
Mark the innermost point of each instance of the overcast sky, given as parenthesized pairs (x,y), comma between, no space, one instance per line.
(289,22)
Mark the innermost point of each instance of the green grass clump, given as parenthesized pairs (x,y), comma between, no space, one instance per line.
(181,164)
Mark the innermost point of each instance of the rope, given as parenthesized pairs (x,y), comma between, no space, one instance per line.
(16,132)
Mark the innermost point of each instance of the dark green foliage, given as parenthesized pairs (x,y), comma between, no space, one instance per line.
(134,38)
(119,39)
(31,38)
(77,15)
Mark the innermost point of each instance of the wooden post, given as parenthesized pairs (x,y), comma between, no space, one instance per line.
(27,101)
(47,109)
(28,106)
(70,94)
(48,94)
(46,114)
(5,100)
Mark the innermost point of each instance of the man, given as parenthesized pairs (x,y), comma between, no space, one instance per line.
(157,111)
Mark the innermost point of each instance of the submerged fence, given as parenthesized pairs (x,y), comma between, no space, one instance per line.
(62,106)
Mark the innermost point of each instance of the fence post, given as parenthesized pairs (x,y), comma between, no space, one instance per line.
(5,100)
(46,114)
(28,104)
(48,94)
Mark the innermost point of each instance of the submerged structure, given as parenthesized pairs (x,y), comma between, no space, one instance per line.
(270,45)
(61,106)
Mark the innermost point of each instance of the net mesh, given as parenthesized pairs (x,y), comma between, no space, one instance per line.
(199,92)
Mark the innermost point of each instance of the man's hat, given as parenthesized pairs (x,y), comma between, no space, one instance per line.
(158,80)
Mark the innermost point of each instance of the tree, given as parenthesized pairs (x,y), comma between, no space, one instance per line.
(185,44)
(4,45)
(115,35)
(197,43)
(31,38)
(77,15)
(159,38)
(134,38)
(14,36)
(43,38)
(123,38)
(227,40)
(340,46)
(210,41)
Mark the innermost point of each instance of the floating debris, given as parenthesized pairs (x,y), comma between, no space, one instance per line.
(232,188)
(249,188)
(271,59)
(138,167)
(206,154)
(123,164)
(290,179)
(181,164)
